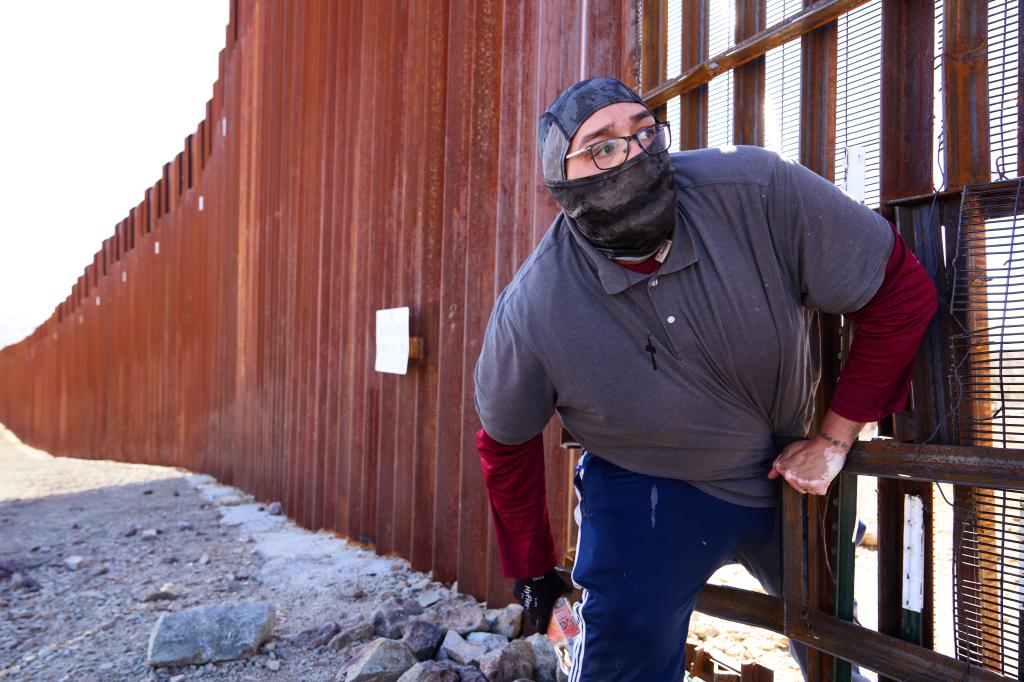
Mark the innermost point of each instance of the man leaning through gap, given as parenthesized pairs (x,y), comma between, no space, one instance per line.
(666,317)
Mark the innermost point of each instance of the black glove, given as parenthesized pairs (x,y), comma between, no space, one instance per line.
(538,596)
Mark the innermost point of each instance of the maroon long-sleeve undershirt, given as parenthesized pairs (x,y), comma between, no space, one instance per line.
(875,382)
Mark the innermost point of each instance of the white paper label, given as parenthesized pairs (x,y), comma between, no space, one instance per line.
(200,202)
(392,341)
(853,183)
(156,247)
(124,277)
(97,300)
(913,553)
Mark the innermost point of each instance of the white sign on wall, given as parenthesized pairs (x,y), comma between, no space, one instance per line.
(392,341)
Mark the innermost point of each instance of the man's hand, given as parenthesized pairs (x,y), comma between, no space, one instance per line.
(809,466)
(538,596)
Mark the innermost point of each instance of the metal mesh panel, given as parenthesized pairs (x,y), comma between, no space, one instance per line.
(988,393)
(721,29)
(782,100)
(987,578)
(988,301)
(1003,86)
(674,66)
(858,95)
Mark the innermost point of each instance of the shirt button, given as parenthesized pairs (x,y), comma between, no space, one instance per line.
(671,319)
(654,282)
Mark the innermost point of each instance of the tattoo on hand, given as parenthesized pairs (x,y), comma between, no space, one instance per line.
(835,441)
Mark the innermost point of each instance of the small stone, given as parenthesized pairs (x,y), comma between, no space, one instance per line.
(169,560)
(384,660)
(204,559)
(160,595)
(131,532)
(150,534)
(147,491)
(177,678)
(230,500)
(507,621)
(704,631)
(274,509)
(431,671)
(74,562)
(508,664)
(106,667)
(314,637)
(468,673)
(185,525)
(465,618)
(423,637)
(22,581)
(359,631)
(488,640)
(430,597)
(100,570)
(273,665)
(459,650)
(390,618)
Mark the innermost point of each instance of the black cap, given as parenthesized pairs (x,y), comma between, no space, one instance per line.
(568,112)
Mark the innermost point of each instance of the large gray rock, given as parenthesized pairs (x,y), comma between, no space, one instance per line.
(508,664)
(465,618)
(459,650)
(487,640)
(383,660)
(210,633)
(391,617)
(423,637)
(431,671)
(507,621)
(545,660)
(358,631)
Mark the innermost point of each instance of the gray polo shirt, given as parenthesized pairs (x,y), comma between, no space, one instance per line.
(760,244)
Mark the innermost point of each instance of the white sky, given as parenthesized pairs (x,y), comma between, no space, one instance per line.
(95,97)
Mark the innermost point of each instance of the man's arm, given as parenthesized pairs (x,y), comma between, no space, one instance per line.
(514,476)
(876,379)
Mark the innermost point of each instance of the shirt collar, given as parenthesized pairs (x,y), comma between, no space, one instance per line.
(616,279)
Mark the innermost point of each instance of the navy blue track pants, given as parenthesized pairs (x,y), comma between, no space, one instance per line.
(647,546)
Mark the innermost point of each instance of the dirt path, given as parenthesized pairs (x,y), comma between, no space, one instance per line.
(94,623)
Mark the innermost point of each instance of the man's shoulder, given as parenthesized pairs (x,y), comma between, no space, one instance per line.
(738,164)
(540,272)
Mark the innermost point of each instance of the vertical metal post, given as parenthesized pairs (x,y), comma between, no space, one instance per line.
(906,169)
(817,152)
(693,105)
(748,80)
(655,47)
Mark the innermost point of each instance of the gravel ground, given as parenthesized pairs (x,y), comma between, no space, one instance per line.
(93,623)
(141,529)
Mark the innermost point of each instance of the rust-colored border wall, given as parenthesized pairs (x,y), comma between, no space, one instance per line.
(354,156)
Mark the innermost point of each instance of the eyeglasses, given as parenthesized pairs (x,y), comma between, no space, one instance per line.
(610,153)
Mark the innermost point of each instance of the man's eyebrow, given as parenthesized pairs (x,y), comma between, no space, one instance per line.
(635,118)
(596,133)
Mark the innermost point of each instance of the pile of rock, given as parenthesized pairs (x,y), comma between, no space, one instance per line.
(435,638)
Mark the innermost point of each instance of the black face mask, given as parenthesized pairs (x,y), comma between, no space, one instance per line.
(626,212)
